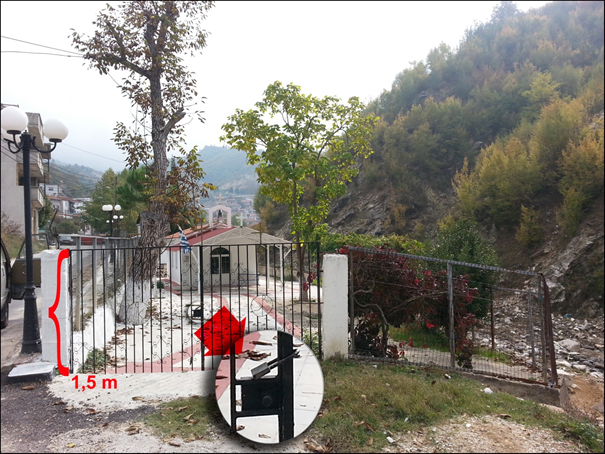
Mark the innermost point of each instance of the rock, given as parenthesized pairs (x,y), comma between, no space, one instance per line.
(564,373)
(570,345)
(598,407)
(581,367)
(562,362)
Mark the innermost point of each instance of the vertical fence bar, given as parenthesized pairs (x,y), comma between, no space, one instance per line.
(319,315)
(542,334)
(351,304)
(530,315)
(450,297)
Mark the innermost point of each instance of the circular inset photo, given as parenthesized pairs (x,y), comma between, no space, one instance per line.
(271,389)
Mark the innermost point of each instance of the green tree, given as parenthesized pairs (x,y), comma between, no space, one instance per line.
(103,193)
(148,39)
(67,226)
(307,156)
(460,240)
(46,213)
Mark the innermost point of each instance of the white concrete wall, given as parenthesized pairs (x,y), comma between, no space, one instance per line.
(48,293)
(335,286)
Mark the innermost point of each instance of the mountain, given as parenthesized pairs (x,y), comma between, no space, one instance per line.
(227,169)
(77,180)
(506,129)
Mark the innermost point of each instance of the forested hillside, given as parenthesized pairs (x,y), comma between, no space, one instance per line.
(506,129)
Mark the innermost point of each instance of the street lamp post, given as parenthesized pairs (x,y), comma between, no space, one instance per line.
(14,122)
(110,210)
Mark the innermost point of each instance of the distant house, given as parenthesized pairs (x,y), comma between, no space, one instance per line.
(64,206)
(230,254)
(52,190)
(80,203)
(12,176)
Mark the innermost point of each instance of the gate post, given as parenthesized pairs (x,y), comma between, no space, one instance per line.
(48,333)
(335,285)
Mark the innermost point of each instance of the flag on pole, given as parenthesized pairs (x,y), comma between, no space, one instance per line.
(184,243)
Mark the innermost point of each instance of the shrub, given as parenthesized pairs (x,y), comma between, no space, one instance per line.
(529,231)
(570,214)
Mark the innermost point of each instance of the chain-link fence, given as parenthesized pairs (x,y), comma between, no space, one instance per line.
(432,312)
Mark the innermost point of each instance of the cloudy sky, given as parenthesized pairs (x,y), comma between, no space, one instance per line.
(328,48)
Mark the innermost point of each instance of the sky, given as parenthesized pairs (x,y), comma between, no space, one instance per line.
(339,49)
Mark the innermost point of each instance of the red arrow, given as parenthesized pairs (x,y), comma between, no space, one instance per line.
(222,331)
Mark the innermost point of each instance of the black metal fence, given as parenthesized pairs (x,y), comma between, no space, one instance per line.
(431,312)
(182,309)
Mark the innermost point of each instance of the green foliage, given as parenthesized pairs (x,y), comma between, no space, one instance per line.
(104,193)
(582,164)
(46,213)
(542,92)
(96,360)
(306,159)
(273,215)
(66,226)
(559,123)
(529,231)
(460,240)
(334,242)
(532,76)
(506,176)
(570,214)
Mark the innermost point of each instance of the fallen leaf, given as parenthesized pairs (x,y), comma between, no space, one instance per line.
(138,398)
(314,446)
(71,445)
(504,416)
(189,439)
(363,396)
(264,436)
(28,387)
(174,443)
(92,411)
(186,418)
(59,403)
(338,398)
(367,425)
(370,441)
(181,408)
(261,343)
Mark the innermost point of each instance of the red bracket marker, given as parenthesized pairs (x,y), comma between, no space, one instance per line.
(51,313)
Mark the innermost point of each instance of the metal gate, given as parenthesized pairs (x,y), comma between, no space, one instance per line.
(193,303)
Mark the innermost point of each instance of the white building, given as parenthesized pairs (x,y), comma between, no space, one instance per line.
(12,203)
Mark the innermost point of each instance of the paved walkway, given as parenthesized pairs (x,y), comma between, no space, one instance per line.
(167,341)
